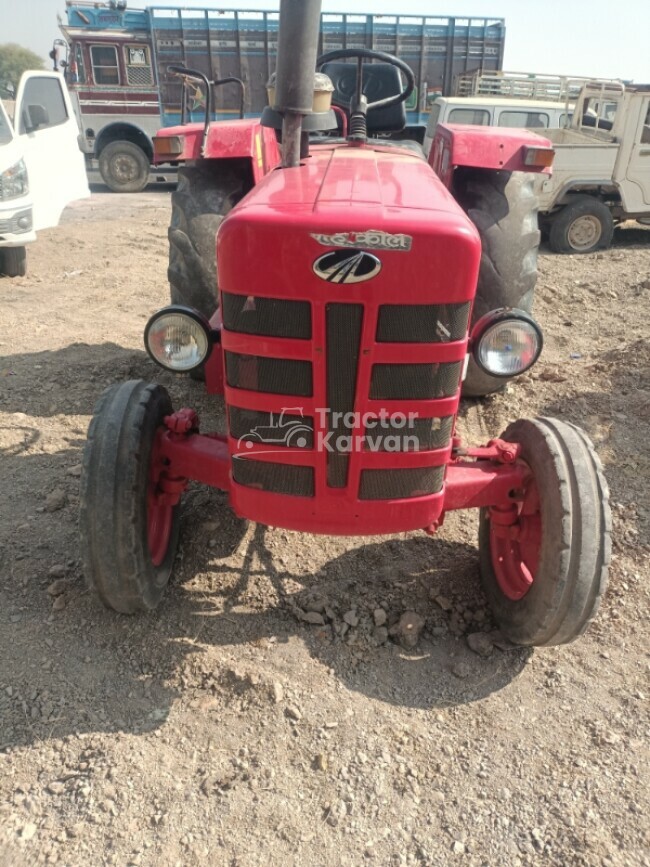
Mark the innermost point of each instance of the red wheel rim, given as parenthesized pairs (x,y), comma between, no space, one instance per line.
(160,516)
(515,549)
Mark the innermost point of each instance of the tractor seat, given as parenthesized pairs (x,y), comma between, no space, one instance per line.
(380,80)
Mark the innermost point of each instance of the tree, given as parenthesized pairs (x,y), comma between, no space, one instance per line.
(14,60)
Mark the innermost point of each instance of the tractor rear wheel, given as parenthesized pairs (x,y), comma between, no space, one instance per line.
(13,261)
(503,207)
(128,536)
(203,197)
(124,167)
(545,575)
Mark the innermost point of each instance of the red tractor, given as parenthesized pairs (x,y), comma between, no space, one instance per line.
(345,303)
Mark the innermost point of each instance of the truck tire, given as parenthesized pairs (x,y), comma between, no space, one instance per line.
(128,538)
(13,261)
(545,581)
(503,207)
(583,225)
(203,197)
(124,167)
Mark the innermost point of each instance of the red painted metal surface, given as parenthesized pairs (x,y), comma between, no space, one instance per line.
(228,139)
(516,541)
(486,147)
(267,246)
(159,510)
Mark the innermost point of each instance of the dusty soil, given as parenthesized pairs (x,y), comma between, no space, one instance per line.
(225,730)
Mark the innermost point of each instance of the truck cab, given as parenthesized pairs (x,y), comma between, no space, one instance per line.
(41,165)
(601,173)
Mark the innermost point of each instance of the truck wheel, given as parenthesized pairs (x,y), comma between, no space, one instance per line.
(128,538)
(201,200)
(545,576)
(124,167)
(583,225)
(13,261)
(503,207)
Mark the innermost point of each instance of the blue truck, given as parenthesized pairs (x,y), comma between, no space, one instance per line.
(116,63)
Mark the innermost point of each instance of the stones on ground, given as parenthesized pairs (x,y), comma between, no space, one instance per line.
(408,629)
(461,670)
(379,616)
(57,571)
(74,471)
(55,500)
(443,602)
(59,603)
(351,618)
(293,713)
(56,787)
(28,831)
(56,588)
(277,691)
(312,617)
(380,634)
(480,643)
(321,762)
(458,848)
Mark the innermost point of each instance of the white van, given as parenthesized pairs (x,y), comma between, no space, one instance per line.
(42,167)
(496,111)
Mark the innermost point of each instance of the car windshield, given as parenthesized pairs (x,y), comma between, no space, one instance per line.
(6,134)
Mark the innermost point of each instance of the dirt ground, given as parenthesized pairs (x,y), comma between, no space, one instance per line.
(226,730)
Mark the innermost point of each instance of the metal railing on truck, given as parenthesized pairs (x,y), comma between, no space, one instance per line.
(242,44)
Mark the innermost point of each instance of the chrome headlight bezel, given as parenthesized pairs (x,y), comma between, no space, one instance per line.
(197,329)
(496,323)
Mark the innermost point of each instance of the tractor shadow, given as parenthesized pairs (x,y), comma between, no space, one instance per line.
(73,666)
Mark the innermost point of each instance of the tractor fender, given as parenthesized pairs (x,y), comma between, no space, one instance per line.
(225,140)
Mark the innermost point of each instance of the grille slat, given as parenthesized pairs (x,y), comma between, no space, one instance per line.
(266,317)
(270,375)
(282,429)
(414,381)
(422,323)
(422,434)
(273,477)
(343,324)
(400,484)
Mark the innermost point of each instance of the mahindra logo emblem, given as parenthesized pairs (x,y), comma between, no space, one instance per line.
(347,266)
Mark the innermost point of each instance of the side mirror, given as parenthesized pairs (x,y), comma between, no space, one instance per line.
(36,117)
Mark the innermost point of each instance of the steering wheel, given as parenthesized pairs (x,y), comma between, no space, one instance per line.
(362,54)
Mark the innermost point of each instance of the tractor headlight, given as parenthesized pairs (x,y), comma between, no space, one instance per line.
(506,342)
(178,338)
(13,181)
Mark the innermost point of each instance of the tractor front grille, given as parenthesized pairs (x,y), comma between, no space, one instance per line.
(418,434)
(274,477)
(414,381)
(343,323)
(422,323)
(400,484)
(268,317)
(340,376)
(272,375)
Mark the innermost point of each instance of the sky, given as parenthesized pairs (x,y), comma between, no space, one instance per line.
(600,38)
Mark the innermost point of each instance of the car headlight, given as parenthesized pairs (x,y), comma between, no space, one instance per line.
(178,338)
(13,181)
(506,342)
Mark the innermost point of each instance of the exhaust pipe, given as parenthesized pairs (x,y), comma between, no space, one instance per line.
(296,64)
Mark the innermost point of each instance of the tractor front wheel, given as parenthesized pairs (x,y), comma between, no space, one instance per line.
(545,573)
(129,534)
